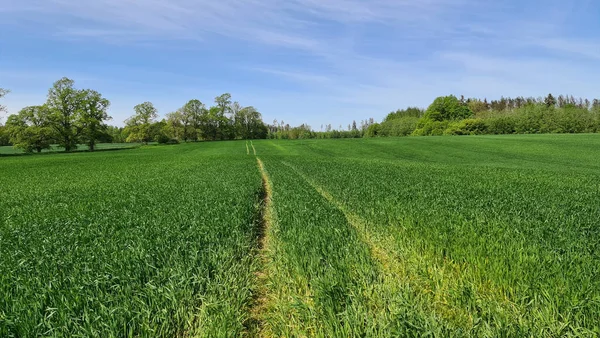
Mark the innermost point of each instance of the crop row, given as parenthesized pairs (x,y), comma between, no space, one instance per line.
(148,242)
(493,237)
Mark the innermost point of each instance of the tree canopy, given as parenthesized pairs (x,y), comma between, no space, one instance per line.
(446,108)
(30,129)
(69,116)
(226,120)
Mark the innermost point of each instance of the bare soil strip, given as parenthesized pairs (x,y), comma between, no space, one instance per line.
(397,271)
(253,148)
(247,149)
(388,262)
(255,324)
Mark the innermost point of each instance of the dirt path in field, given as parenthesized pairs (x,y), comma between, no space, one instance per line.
(375,246)
(247,149)
(255,324)
(394,271)
(252,144)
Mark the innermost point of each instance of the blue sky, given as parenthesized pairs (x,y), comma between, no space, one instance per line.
(301,61)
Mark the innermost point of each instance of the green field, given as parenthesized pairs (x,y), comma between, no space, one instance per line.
(10,150)
(484,236)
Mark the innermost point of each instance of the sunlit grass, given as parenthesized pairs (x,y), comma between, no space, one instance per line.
(150,242)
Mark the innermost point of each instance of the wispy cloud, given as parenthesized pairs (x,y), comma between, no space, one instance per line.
(376,55)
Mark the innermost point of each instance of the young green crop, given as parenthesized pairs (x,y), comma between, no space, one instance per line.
(494,236)
(150,242)
(472,236)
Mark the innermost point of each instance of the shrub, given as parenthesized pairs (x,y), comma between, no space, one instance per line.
(446,108)
(430,127)
(373,130)
(162,138)
(467,127)
(500,125)
(399,127)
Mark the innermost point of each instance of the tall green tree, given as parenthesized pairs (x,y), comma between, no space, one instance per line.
(140,123)
(550,101)
(446,108)
(64,103)
(193,112)
(174,127)
(92,117)
(30,129)
(211,122)
(116,134)
(249,124)
(225,124)
(4,137)
(223,102)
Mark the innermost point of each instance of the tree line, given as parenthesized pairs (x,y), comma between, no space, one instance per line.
(71,117)
(226,120)
(449,115)
(282,131)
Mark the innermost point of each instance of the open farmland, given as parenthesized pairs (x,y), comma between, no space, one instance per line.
(442,236)
(147,242)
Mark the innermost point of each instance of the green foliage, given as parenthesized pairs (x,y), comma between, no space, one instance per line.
(71,116)
(30,129)
(4,136)
(139,126)
(467,127)
(304,131)
(439,114)
(477,106)
(403,126)
(191,119)
(550,101)
(502,124)
(116,134)
(55,148)
(373,130)
(223,104)
(450,116)
(64,103)
(93,113)
(404,113)
(79,116)
(445,108)
(249,125)
(427,126)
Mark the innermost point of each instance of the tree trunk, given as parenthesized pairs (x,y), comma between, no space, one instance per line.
(67,144)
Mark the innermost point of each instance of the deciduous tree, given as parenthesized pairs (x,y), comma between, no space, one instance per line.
(140,123)
(550,101)
(174,124)
(193,113)
(446,108)
(92,117)
(30,129)
(64,104)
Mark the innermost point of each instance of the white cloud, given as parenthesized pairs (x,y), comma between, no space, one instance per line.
(373,55)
